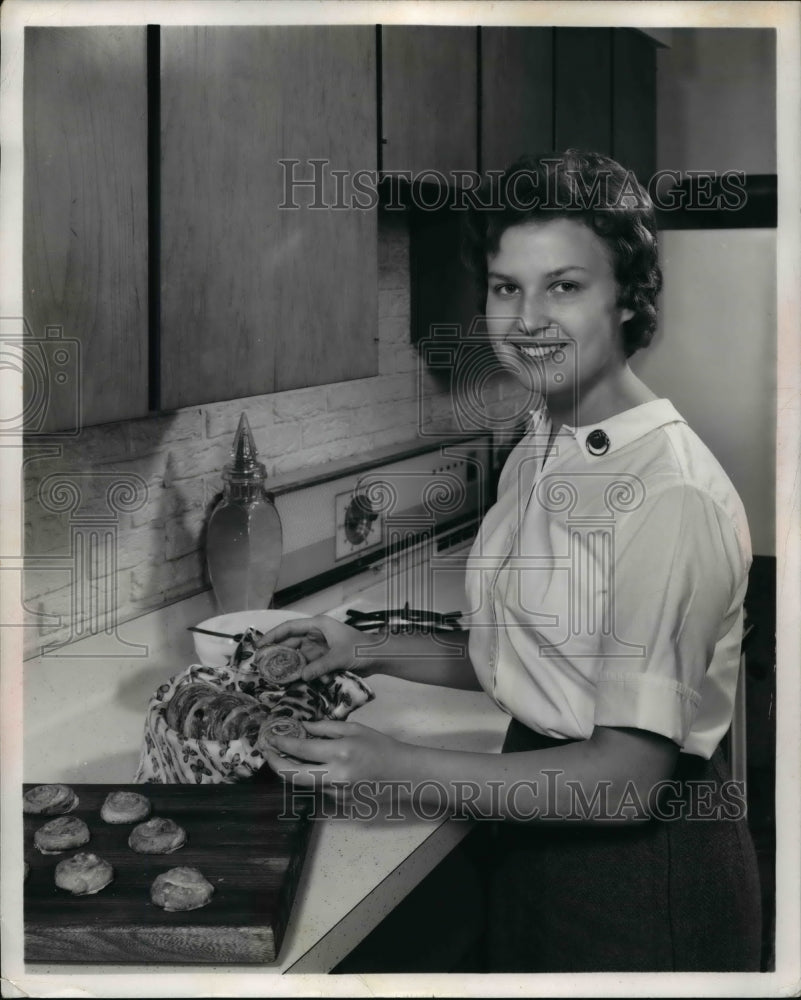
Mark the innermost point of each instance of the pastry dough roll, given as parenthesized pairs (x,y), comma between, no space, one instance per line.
(183,700)
(279,665)
(194,725)
(252,723)
(279,725)
(231,725)
(219,710)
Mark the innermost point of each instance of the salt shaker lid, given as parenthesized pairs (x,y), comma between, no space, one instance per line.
(244,458)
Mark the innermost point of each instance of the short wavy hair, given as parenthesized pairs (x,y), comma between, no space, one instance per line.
(594,190)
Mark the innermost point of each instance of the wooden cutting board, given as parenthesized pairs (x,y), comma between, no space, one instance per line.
(237,837)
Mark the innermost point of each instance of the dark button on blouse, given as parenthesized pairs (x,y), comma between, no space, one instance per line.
(597,442)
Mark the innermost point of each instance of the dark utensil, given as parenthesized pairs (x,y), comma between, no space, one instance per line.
(220,635)
(403,619)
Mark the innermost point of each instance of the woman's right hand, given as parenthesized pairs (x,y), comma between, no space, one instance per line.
(327,644)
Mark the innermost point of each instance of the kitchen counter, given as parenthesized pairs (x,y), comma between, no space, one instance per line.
(83,723)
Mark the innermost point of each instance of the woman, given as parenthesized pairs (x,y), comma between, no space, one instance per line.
(607,587)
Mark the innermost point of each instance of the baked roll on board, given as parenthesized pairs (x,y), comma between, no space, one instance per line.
(124,807)
(181,889)
(240,837)
(49,800)
(157,836)
(83,874)
(61,834)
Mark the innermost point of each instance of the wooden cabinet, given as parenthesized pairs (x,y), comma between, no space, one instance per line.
(85,246)
(429,98)
(444,292)
(257,295)
(253,286)
(634,102)
(582,92)
(259,281)
(516,94)
(448,311)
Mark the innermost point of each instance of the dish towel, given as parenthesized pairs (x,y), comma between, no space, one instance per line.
(170,757)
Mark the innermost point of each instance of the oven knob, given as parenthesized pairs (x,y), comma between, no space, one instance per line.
(359,518)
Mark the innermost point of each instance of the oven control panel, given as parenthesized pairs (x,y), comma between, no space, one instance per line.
(355,515)
(359,523)
(387,507)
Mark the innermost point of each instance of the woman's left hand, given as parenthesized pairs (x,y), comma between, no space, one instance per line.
(336,755)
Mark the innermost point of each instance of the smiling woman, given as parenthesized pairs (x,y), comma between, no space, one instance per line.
(552,311)
(606,590)
(571,278)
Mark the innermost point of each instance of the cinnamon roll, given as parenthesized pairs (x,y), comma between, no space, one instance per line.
(181,889)
(182,701)
(61,834)
(124,807)
(83,874)
(157,836)
(202,712)
(279,725)
(279,665)
(49,800)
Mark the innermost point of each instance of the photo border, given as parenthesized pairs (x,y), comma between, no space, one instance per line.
(17,981)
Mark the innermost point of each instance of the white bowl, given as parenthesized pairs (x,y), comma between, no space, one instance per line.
(213,651)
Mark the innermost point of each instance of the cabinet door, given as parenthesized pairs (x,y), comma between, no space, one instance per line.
(448,311)
(516,94)
(256,297)
(85,224)
(582,98)
(429,98)
(634,102)
(444,292)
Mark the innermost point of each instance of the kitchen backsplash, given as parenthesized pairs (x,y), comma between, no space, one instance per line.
(114,520)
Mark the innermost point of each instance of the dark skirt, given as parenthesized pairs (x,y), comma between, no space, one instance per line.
(667,895)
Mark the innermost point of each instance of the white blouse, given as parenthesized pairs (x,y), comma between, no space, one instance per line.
(606,584)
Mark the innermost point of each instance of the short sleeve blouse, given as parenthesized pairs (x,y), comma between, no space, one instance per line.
(606,584)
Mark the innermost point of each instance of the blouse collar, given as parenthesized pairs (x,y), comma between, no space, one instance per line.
(615,432)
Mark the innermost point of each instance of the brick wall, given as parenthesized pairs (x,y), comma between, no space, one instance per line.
(133,497)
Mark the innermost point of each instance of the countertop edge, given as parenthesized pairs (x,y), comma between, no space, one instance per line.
(348,932)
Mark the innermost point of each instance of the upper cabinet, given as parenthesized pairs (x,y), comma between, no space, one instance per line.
(477,98)
(617,118)
(582,92)
(195,222)
(634,102)
(265,284)
(516,94)
(429,88)
(85,246)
